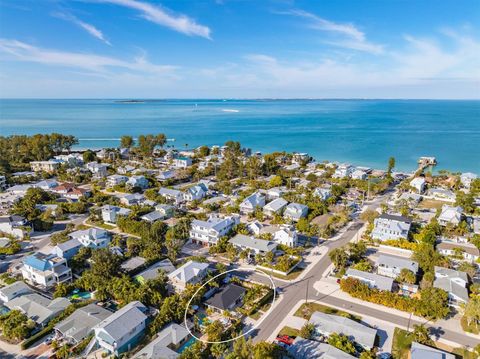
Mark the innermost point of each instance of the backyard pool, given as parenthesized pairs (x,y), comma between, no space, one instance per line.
(188,343)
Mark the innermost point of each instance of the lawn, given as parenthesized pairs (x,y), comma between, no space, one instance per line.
(291,332)
(290,276)
(307,309)
(431,204)
(472,328)
(101,225)
(402,342)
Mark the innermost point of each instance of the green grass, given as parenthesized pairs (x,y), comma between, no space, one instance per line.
(290,276)
(256,315)
(401,344)
(101,225)
(472,328)
(307,309)
(291,332)
(431,204)
(464,353)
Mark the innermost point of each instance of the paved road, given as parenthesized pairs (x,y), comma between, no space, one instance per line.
(292,293)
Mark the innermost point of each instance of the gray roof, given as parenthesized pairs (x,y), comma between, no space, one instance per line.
(329,323)
(188,271)
(80,323)
(398,262)
(153,216)
(120,323)
(309,349)
(11,290)
(152,271)
(37,307)
(275,205)
(159,347)
(394,217)
(420,351)
(70,244)
(451,281)
(133,263)
(253,243)
(379,281)
(227,297)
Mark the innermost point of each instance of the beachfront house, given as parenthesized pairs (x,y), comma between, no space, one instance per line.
(189,273)
(388,226)
(454,283)
(252,245)
(110,214)
(182,162)
(371,279)
(92,237)
(45,270)
(122,330)
(419,184)
(44,166)
(79,325)
(327,324)
(227,299)
(343,170)
(210,231)
(467,178)
(295,211)
(275,207)
(450,215)
(167,343)
(391,266)
(14,290)
(252,202)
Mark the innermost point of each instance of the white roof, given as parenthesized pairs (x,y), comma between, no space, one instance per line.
(188,271)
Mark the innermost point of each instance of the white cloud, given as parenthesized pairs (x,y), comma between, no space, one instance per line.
(96,63)
(92,30)
(347,35)
(158,15)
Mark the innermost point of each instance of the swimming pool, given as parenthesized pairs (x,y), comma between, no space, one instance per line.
(187,344)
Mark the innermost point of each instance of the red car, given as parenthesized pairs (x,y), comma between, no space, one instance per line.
(285,339)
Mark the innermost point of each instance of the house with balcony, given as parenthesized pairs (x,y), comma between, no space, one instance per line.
(122,330)
(92,237)
(454,283)
(210,231)
(110,214)
(295,211)
(391,266)
(45,270)
(190,273)
(115,180)
(388,226)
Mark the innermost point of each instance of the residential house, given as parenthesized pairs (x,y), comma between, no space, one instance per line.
(391,266)
(166,344)
(165,210)
(195,193)
(300,158)
(372,280)
(14,290)
(45,270)
(171,194)
(388,226)
(343,170)
(152,217)
(255,227)
(322,192)
(358,174)
(132,199)
(189,273)
(153,271)
(51,208)
(295,211)
(442,194)
(227,299)
(137,181)
(99,170)
(275,207)
(70,191)
(421,351)
(132,264)
(79,325)
(467,178)
(286,235)
(326,324)
(450,215)
(462,251)
(165,175)
(182,162)
(92,237)
(110,214)
(122,330)
(253,245)
(46,185)
(454,283)
(38,308)
(15,225)
(115,180)
(252,202)
(419,184)
(125,170)
(209,232)
(67,249)
(44,166)
(274,193)
(308,349)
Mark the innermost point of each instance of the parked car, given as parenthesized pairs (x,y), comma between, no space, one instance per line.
(285,339)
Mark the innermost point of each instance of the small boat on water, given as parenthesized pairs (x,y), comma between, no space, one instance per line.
(230,110)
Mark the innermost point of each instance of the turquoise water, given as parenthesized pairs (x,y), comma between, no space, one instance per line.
(187,344)
(356,131)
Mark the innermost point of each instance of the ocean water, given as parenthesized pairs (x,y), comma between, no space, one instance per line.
(361,132)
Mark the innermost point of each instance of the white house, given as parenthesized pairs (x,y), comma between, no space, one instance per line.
(253,245)
(286,235)
(255,227)
(450,215)
(371,279)
(210,231)
(138,181)
(323,192)
(359,174)
(466,251)
(93,237)
(467,178)
(419,184)
(99,170)
(295,211)
(195,193)
(442,194)
(189,273)
(122,330)
(110,214)
(275,207)
(454,283)
(343,170)
(45,270)
(171,194)
(252,202)
(182,162)
(388,226)
(132,199)
(115,180)
(14,225)
(13,291)
(391,266)
(166,343)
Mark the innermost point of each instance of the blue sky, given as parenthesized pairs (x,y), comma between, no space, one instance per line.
(241,49)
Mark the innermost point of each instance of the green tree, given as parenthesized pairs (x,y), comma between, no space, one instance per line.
(407,276)
(15,325)
(341,341)
(89,156)
(391,165)
(307,330)
(126,142)
(339,258)
(420,334)
(433,303)
(214,330)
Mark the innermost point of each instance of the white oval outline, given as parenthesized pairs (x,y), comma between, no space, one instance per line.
(244,334)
